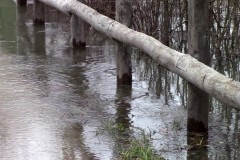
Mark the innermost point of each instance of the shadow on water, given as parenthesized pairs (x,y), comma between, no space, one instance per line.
(57,102)
(74,146)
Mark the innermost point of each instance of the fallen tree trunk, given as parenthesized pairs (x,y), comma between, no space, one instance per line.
(217,85)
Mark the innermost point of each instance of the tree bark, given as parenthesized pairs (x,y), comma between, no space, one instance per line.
(166,24)
(217,85)
(21,2)
(38,12)
(124,65)
(78,38)
(198,47)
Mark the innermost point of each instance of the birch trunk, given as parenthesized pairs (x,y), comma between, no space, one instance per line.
(124,65)
(217,85)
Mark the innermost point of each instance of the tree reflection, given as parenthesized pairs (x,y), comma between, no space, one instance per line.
(123,108)
(21,30)
(122,102)
(74,146)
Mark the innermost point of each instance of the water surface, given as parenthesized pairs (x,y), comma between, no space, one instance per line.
(57,102)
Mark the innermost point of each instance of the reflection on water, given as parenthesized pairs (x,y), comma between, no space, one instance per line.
(57,102)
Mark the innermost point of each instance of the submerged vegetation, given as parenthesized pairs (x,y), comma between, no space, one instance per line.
(140,149)
(133,145)
(197,141)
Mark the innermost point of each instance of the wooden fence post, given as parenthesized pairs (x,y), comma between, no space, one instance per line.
(78,38)
(124,67)
(38,12)
(21,2)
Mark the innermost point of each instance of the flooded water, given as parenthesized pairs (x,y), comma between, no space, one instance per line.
(57,102)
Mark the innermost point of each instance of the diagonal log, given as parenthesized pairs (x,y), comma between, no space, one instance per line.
(215,84)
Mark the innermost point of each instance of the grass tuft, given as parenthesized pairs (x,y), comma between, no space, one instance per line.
(140,149)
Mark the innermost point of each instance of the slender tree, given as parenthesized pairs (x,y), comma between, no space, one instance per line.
(166,24)
(198,47)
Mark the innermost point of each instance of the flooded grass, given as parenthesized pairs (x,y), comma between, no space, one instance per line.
(177,124)
(133,143)
(140,148)
(197,141)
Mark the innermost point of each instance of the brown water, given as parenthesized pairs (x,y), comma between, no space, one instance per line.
(57,102)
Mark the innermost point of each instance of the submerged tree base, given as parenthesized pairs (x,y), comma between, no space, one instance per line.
(21,2)
(124,80)
(196,126)
(37,21)
(197,141)
(78,44)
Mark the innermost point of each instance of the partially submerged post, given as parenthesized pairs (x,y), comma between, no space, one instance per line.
(124,66)
(78,38)
(21,2)
(198,42)
(38,12)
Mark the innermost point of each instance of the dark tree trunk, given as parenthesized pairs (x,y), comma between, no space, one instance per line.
(124,66)
(21,2)
(38,12)
(198,42)
(166,24)
(186,12)
(78,28)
